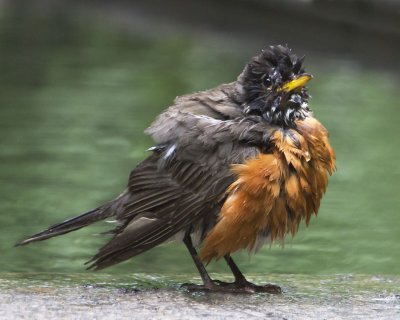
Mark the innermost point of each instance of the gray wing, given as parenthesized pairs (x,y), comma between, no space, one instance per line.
(164,197)
(185,179)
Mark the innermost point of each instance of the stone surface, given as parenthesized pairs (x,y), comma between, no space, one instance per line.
(99,296)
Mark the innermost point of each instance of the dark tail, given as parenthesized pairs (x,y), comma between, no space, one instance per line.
(69,225)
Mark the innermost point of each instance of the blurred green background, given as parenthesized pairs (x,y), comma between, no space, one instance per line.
(79,82)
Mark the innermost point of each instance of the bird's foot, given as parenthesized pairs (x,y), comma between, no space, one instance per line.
(242,286)
(248,287)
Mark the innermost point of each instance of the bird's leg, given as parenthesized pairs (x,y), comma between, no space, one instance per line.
(242,285)
(199,265)
(208,283)
(239,277)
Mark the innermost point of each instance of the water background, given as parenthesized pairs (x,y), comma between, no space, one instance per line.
(75,97)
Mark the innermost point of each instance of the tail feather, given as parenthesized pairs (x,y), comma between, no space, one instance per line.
(69,225)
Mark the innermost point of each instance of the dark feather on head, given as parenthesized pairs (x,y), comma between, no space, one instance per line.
(261,83)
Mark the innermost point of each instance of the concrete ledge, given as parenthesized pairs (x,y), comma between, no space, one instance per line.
(99,296)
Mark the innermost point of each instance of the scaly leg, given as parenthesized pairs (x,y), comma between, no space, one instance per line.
(199,265)
(241,285)
(208,283)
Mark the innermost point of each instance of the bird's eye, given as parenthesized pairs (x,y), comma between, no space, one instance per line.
(267,82)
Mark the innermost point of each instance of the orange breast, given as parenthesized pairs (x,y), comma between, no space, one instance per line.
(274,192)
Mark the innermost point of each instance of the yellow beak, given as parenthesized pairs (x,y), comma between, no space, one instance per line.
(297,83)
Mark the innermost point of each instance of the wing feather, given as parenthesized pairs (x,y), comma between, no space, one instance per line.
(163,201)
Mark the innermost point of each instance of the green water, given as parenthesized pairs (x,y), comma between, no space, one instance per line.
(75,97)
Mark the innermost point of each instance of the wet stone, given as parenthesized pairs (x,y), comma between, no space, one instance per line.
(88,296)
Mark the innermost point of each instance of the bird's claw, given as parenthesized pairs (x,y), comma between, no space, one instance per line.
(233,287)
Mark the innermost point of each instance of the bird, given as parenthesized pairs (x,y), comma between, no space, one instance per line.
(232,168)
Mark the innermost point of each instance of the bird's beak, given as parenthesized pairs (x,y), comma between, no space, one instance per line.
(296,83)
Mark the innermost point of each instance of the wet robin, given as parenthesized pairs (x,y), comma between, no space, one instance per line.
(232,168)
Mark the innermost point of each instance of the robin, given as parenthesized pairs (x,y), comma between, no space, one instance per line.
(232,168)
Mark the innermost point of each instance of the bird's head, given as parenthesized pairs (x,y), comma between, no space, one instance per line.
(273,87)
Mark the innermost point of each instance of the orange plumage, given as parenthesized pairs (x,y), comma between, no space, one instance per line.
(274,192)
